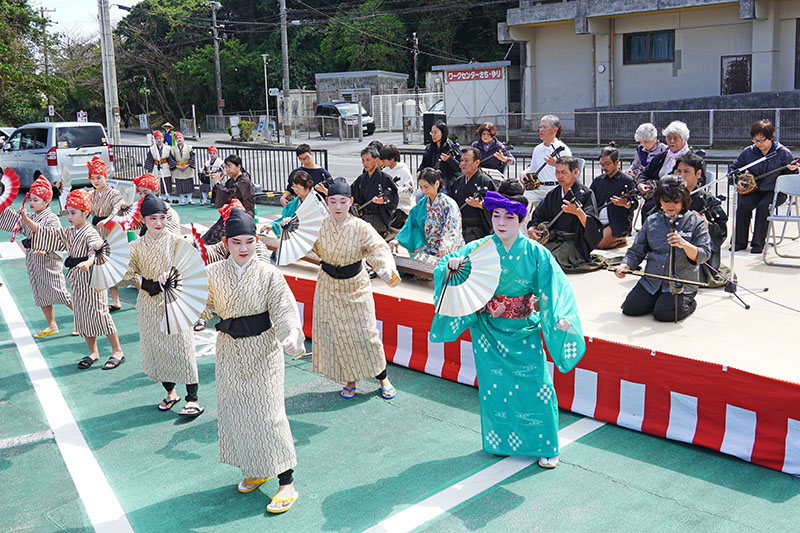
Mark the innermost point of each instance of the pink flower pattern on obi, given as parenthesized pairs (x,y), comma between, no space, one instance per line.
(517,307)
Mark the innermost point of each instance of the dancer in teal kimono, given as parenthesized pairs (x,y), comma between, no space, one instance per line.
(519,409)
(302,184)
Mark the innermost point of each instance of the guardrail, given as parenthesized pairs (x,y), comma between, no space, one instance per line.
(268,166)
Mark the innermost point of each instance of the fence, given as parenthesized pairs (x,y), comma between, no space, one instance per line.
(708,127)
(268,166)
(388,109)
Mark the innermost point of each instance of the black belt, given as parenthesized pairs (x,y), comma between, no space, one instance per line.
(245,326)
(548,183)
(152,287)
(72,262)
(341,272)
(26,243)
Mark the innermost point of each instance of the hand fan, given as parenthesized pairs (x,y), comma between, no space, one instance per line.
(200,245)
(185,290)
(9,187)
(111,260)
(299,236)
(469,288)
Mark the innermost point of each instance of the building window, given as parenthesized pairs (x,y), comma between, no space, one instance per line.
(648,47)
(736,74)
(797,56)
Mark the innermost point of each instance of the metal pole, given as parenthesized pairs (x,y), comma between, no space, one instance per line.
(287,129)
(146,102)
(215,6)
(44,12)
(266,96)
(109,72)
(416,84)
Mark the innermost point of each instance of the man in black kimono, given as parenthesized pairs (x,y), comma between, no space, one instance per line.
(468,191)
(375,193)
(576,232)
(611,189)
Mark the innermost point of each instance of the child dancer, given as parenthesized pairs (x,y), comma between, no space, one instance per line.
(258,316)
(347,346)
(44,269)
(165,358)
(146,184)
(106,202)
(90,307)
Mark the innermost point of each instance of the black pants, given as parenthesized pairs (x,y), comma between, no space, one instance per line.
(662,304)
(285,478)
(381,376)
(191,390)
(759,201)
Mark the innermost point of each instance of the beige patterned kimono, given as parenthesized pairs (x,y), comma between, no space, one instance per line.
(254,432)
(165,358)
(45,272)
(105,204)
(218,252)
(89,307)
(347,345)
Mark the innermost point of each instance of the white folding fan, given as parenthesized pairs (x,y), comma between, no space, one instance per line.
(185,290)
(111,260)
(473,284)
(299,236)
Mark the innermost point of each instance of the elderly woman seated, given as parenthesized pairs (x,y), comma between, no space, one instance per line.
(433,228)
(649,147)
(494,154)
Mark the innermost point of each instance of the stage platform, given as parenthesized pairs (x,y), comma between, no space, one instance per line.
(726,378)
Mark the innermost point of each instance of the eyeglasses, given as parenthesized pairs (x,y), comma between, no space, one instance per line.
(760,141)
(304,157)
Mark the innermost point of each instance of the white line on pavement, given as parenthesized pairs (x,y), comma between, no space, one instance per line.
(30,438)
(454,495)
(102,506)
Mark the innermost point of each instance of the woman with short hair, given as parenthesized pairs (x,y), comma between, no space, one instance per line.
(649,147)
(494,153)
(238,185)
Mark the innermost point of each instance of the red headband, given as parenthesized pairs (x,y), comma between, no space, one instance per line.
(147,181)
(42,188)
(97,167)
(80,199)
(225,210)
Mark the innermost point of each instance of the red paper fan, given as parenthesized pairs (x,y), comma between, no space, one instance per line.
(127,218)
(9,187)
(200,245)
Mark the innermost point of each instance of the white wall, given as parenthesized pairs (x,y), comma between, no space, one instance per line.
(563,77)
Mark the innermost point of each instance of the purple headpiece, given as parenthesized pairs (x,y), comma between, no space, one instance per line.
(494,200)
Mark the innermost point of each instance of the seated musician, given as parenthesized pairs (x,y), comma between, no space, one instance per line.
(677,136)
(616,191)
(433,228)
(764,144)
(375,193)
(577,230)
(649,147)
(468,191)
(301,185)
(318,174)
(705,204)
(675,232)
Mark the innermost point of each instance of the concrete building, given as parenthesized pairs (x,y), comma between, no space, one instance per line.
(359,86)
(599,54)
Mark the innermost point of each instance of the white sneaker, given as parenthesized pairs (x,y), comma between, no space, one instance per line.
(548,462)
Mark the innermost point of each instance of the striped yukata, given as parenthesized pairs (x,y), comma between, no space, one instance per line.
(105,204)
(45,272)
(89,307)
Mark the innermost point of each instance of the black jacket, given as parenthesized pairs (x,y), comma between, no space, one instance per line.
(449,168)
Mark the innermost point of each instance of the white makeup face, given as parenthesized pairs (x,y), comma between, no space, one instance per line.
(37,204)
(339,206)
(241,247)
(506,225)
(155,224)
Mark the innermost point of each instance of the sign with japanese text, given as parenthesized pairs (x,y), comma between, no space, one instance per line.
(477,74)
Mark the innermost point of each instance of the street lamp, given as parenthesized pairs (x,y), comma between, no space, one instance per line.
(266,96)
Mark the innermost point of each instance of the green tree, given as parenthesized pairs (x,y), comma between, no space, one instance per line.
(24,87)
(374,43)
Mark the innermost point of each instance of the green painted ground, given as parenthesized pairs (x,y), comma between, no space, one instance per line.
(360,461)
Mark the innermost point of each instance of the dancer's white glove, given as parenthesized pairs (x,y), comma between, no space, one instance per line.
(454,263)
(294,344)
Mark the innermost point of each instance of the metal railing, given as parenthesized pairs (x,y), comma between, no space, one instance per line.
(268,166)
(708,127)
(388,109)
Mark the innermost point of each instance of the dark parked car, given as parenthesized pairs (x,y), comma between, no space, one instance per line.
(329,113)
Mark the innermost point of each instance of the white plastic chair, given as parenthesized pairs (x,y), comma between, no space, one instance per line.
(788,184)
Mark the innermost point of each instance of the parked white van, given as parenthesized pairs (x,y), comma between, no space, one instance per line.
(47,148)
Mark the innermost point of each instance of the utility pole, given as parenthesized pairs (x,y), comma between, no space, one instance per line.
(265,57)
(45,46)
(109,72)
(287,128)
(146,101)
(416,84)
(216,6)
